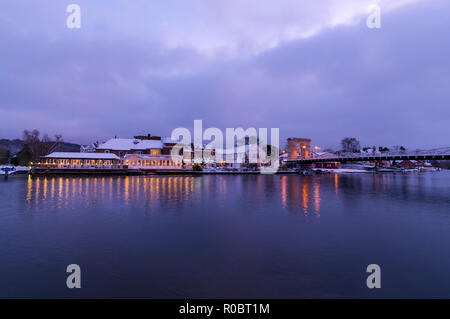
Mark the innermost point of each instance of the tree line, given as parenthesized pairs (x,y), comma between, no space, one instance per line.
(34,146)
(352,145)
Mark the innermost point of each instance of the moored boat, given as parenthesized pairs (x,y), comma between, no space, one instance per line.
(10,170)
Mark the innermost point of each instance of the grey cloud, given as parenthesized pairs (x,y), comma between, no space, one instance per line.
(388,86)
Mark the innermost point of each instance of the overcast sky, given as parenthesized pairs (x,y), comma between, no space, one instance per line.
(311,68)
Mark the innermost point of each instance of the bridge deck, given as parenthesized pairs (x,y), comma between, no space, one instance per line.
(398,157)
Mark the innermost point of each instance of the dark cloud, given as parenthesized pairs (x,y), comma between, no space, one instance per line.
(389,86)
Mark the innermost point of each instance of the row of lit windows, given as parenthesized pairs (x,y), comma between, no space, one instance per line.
(151,163)
(111,162)
(153,152)
(78,162)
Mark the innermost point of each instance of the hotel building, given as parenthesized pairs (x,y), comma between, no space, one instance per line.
(144,154)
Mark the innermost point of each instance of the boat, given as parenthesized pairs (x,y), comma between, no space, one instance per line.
(14,170)
(7,170)
(388,170)
(411,170)
(429,169)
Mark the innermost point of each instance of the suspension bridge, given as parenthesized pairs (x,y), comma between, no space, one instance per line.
(425,155)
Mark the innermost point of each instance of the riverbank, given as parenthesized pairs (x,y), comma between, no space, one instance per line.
(8,170)
(134,172)
(372,171)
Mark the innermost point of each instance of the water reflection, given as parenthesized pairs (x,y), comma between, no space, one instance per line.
(29,188)
(234,231)
(297,194)
(301,194)
(294,194)
(305,197)
(336,184)
(317,195)
(64,192)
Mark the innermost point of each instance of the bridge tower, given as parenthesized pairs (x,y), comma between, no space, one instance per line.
(298,148)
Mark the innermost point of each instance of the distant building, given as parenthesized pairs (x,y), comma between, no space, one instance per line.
(168,144)
(87,148)
(240,156)
(139,145)
(149,162)
(79,160)
(412,164)
(325,155)
(327,165)
(124,146)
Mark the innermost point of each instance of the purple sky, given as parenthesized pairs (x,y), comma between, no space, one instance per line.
(311,68)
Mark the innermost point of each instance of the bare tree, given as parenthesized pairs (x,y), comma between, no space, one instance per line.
(34,147)
(4,156)
(350,144)
(399,149)
(32,143)
(45,145)
(57,144)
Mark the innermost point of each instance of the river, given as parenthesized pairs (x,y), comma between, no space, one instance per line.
(220,236)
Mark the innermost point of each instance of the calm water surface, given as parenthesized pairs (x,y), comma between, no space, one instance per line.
(226,236)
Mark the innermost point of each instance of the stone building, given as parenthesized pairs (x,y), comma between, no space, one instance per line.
(298,148)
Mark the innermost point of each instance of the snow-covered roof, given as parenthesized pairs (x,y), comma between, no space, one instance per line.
(324,154)
(235,150)
(143,156)
(74,155)
(169,140)
(87,148)
(125,144)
